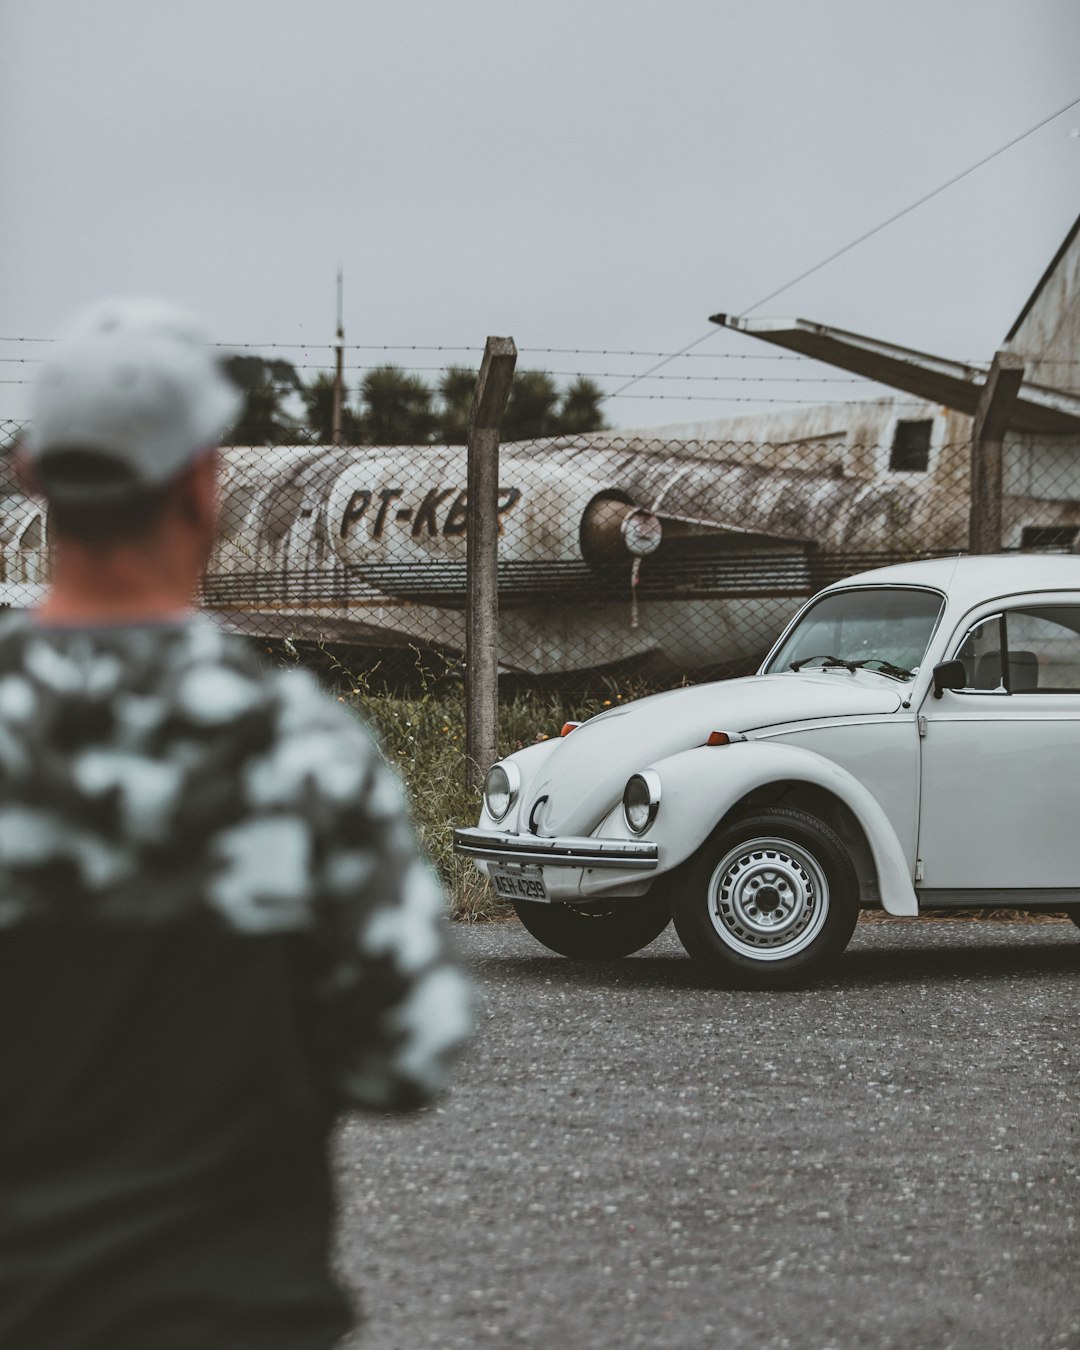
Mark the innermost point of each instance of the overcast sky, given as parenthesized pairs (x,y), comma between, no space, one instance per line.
(575,173)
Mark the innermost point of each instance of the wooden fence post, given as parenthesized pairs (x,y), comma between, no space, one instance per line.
(988,430)
(481,553)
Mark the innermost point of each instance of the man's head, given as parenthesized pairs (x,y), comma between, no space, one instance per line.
(127,414)
(127,400)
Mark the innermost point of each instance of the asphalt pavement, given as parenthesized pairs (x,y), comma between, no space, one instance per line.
(632,1158)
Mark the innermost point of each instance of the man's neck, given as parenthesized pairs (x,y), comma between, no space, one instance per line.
(91,586)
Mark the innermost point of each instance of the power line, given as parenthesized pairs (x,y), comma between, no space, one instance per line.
(847,247)
(908,209)
(660,364)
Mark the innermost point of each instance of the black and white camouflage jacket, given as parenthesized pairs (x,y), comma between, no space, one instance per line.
(216,931)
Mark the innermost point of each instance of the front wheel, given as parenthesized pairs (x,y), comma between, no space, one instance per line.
(770,901)
(599,930)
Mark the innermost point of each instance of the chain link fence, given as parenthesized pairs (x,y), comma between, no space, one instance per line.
(621,559)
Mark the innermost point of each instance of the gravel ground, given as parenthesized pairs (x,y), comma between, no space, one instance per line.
(631,1158)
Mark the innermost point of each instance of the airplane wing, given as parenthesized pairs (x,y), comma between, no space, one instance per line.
(935,378)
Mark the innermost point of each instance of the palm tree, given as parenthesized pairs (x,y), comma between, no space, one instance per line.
(533,409)
(265,385)
(400,409)
(318,397)
(580,407)
(456,394)
(396,408)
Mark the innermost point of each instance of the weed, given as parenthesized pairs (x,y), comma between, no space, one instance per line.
(422,735)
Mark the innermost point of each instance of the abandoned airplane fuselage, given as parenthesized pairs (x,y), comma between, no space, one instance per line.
(676,555)
(610,551)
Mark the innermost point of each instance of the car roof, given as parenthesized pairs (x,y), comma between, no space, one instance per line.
(967,580)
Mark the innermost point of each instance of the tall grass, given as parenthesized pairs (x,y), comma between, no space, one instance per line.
(422,735)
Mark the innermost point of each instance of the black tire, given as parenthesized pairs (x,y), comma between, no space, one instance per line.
(1073,912)
(769,902)
(598,931)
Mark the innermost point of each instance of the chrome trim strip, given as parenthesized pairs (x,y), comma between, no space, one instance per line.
(568,851)
(1050,897)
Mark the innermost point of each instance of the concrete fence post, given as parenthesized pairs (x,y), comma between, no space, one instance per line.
(988,428)
(481,552)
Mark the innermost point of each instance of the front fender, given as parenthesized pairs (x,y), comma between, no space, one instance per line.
(699,787)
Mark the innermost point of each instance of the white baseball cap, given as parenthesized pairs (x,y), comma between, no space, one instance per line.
(133,382)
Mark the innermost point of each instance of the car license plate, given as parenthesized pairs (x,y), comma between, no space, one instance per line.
(519,883)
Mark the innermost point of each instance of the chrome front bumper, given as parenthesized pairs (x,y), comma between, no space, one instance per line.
(568,851)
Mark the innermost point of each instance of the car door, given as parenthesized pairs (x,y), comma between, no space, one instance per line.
(1000,761)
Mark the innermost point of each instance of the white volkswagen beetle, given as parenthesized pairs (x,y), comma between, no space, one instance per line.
(911,742)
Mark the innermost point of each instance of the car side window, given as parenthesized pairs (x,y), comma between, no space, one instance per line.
(980,652)
(1044,649)
(1035,650)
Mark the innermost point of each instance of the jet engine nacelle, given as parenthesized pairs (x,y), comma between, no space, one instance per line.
(613,526)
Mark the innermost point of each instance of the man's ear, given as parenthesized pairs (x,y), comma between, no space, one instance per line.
(199,494)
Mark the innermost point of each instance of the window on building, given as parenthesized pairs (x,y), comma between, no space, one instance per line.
(911,447)
(1048,538)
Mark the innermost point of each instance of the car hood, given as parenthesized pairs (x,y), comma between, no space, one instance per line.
(586,772)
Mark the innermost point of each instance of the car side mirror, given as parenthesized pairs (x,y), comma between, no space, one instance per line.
(949,675)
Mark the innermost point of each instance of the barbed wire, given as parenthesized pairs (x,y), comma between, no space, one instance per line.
(803,402)
(708,398)
(435,347)
(685,355)
(561,374)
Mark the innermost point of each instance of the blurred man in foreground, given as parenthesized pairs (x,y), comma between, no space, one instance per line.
(215,929)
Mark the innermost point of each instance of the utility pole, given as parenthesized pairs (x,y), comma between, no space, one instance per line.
(339,366)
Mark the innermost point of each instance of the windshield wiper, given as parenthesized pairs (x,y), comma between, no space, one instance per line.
(883,668)
(832,662)
(826,660)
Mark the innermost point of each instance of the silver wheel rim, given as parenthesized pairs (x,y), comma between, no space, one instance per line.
(768,899)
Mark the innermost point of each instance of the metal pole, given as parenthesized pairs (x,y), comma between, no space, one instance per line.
(988,428)
(339,368)
(481,553)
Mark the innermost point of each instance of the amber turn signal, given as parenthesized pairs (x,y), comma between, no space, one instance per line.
(724,737)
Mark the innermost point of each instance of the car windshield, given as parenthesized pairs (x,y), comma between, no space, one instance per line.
(881,628)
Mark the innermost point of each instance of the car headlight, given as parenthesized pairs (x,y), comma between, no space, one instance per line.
(641,801)
(501,787)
